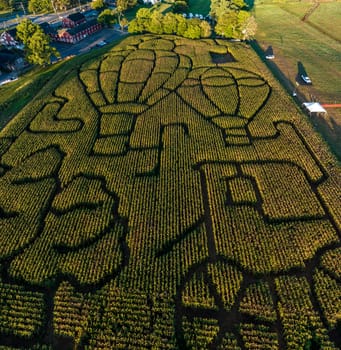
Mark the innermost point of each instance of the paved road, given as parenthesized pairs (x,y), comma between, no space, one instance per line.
(89,43)
(84,46)
(13,20)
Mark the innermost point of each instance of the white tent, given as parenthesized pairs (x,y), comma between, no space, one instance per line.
(314,107)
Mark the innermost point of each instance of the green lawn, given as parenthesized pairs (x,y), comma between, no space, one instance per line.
(199,6)
(327,17)
(299,9)
(294,41)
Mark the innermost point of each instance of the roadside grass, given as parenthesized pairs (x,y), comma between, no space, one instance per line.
(131,12)
(5,13)
(199,6)
(14,96)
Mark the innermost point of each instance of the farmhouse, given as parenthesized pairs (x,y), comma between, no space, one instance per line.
(73,20)
(73,35)
(7,38)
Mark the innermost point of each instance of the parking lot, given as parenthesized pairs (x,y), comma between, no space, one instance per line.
(107,34)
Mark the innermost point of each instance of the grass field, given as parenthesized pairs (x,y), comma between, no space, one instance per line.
(151,198)
(327,19)
(199,6)
(293,41)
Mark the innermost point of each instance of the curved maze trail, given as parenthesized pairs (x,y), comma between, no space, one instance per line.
(158,199)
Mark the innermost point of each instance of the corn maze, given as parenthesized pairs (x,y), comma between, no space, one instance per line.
(156,199)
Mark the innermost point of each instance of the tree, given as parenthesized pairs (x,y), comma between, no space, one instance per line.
(193,29)
(232,24)
(61,5)
(107,17)
(180,6)
(36,6)
(141,22)
(25,30)
(249,28)
(39,50)
(135,27)
(125,4)
(155,23)
(169,23)
(181,26)
(5,4)
(98,4)
(123,22)
(205,29)
(219,7)
(36,42)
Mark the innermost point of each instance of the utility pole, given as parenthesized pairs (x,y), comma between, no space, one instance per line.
(54,8)
(23,8)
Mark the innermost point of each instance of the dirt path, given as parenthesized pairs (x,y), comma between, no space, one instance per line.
(310,11)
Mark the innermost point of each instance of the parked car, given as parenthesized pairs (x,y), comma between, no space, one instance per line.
(270,57)
(306,79)
(101,43)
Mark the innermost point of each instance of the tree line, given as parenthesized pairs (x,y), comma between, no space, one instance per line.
(36,43)
(153,21)
(229,19)
(233,19)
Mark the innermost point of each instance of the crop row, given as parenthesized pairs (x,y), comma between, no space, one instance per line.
(258,302)
(21,311)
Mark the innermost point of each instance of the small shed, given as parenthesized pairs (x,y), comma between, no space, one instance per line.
(314,108)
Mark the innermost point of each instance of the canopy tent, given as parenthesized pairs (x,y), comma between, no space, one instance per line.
(314,107)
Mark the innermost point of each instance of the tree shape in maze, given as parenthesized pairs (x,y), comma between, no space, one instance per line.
(68,236)
(155,173)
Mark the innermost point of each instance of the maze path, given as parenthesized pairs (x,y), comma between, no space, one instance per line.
(156,180)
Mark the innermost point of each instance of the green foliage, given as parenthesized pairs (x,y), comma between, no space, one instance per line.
(205,29)
(25,30)
(107,17)
(98,4)
(233,20)
(37,43)
(193,30)
(123,5)
(155,22)
(233,24)
(61,5)
(219,7)
(180,7)
(5,4)
(169,23)
(39,50)
(37,6)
